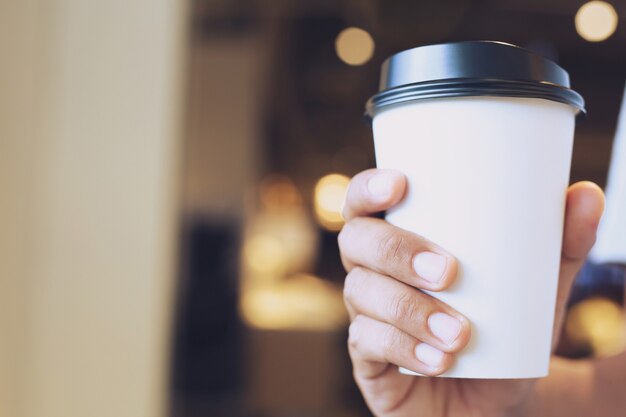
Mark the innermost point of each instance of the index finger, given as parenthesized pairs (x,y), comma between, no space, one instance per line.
(373,191)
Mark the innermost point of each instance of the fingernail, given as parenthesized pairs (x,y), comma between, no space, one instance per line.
(428,355)
(429,266)
(445,327)
(380,184)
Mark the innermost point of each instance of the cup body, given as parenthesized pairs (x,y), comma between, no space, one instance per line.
(487,181)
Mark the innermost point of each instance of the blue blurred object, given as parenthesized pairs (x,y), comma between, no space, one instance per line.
(606,280)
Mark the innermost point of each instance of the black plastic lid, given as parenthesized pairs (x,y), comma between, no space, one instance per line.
(472,68)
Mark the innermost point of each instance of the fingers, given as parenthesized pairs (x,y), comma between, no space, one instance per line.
(393,322)
(372,343)
(585,204)
(584,207)
(391,251)
(411,311)
(373,191)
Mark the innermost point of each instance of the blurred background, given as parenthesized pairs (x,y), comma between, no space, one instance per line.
(171,180)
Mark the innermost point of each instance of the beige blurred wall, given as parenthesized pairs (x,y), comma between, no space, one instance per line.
(224,123)
(90,104)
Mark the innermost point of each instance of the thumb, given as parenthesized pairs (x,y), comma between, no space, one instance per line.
(584,207)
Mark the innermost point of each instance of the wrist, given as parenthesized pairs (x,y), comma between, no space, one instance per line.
(567,391)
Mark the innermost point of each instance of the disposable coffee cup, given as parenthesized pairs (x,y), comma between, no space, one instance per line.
(483,132)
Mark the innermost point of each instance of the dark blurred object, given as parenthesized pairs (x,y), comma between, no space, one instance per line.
(295,373)
(599,280)
(225,18)
(208,338)
(330,265)
(594,322)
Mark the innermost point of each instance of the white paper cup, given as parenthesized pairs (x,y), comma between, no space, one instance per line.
(487,180)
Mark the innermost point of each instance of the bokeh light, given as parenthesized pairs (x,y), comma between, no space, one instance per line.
(265,255)
(278,192)
(599,324)
(596,21)
(330,193)
(302,302)
(354,46)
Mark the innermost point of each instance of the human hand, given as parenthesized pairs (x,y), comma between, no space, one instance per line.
(396,324)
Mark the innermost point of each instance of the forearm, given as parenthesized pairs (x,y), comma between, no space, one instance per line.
(582,388)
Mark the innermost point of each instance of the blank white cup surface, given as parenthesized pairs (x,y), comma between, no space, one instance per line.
(487,181)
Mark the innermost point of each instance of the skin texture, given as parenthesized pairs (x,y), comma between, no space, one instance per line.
(390,316)
(581,388)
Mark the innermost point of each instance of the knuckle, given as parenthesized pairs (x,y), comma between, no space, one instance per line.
(391,248)
(404,308)
(391,343)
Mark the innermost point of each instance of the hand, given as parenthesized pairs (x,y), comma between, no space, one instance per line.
(395,324)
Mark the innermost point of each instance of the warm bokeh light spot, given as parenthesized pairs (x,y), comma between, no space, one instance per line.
(330,193)
(279,193)
(265,254)
(354,46)
(303,302)
(596,21)
(597,323)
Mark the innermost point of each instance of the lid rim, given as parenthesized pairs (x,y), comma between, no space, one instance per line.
(466,87)
(467,68)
